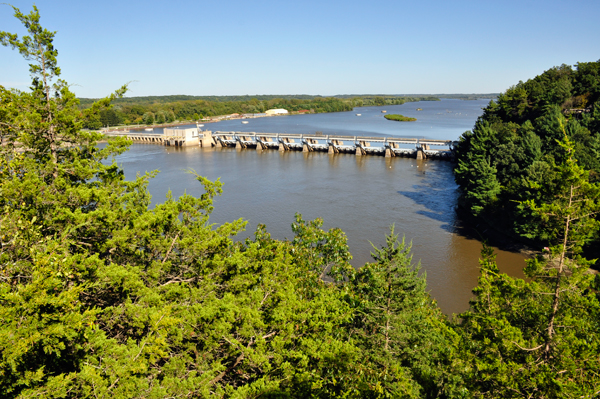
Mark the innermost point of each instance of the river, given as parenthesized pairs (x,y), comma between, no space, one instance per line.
(361,195)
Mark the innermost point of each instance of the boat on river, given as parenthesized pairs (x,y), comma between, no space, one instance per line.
(357,114)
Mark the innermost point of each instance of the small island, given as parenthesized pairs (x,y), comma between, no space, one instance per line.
(399,118)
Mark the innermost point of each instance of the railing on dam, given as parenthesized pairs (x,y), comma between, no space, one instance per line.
(358,145)
(333,144)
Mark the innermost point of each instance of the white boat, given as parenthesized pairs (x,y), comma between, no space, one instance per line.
(244,122)
(149,129)
(383,112)
(357,114)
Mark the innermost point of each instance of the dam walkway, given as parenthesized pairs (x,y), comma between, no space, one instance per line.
(334,144)
(419,148)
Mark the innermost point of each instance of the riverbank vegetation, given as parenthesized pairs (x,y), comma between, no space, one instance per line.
(510,157)
(399,118)
(102,295)
(152,112)
(168,109)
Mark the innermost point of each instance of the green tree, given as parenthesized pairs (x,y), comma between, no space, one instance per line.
(379,101)
(587,80)
(408,345)
(514,101)
(571,223)
(109,117)
(475,171)
(48,167)
(148,118)
(541,338)
(160,117)
(170,116)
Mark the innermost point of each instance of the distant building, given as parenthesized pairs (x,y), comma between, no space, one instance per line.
(187,137)
(182,137)
(278,111)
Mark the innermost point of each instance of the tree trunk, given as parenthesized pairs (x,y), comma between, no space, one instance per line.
(556,296)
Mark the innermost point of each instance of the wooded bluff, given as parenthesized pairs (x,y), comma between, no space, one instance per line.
(511,155)
(102,296)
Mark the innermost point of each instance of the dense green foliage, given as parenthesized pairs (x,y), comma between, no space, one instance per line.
(510,155)
(530,167)
(541,337)
(399,118)
(101,296)
(143,100)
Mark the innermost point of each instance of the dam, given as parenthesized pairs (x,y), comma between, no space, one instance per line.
(418,148)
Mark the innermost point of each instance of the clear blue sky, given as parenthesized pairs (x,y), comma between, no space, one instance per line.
(311,47)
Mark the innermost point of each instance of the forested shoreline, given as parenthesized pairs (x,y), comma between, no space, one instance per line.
(102,295)
(168,109)
(509,157)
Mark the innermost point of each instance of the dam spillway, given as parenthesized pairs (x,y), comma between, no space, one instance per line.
(419,148)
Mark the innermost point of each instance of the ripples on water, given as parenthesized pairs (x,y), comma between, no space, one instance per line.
(361,195)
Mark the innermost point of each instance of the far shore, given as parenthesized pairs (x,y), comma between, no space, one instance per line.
(220,118)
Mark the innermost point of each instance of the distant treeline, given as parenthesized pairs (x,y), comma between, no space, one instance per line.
(473,96)
(86,102)
(429,97)
(167,109)
(372,100)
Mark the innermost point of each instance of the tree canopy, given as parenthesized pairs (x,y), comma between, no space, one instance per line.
(512,151)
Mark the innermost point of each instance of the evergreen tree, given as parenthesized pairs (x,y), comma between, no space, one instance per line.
(475,171)
(541,338)
(406,339)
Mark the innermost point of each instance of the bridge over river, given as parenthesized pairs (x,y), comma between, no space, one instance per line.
(419,148)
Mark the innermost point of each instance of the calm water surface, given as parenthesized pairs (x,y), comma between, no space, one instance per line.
(443,120)
(361,195)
